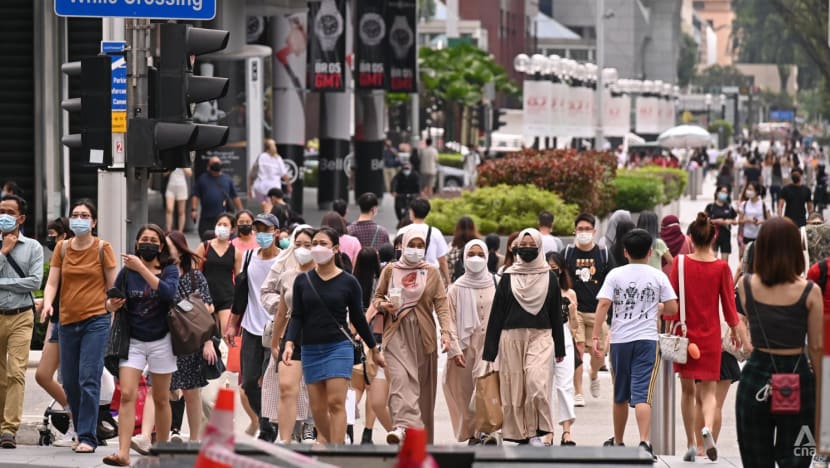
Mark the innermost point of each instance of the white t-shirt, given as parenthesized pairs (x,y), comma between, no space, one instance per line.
(269,174)
(752,210)
(634,291)
(551,243)
(177,178)
(437,247)
(429,161)
(256,317)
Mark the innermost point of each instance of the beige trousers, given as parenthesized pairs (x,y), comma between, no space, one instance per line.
(458,387)
(15,337)
(525,381)
(412,376)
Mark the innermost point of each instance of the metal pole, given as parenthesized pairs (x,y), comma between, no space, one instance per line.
(138,179)
(598,134)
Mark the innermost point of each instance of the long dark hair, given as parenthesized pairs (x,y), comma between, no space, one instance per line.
(164,250)
(565,282)
(509,256)
(465,231)
(367,270)
(492,242)
(187,257)
(617,250)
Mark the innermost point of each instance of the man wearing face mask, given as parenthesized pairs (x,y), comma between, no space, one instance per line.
(21,272)
(216,193)
(406,186)
(588,265)
(795,197)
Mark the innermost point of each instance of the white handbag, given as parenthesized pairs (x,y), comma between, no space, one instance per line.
(675,347)
(267,334)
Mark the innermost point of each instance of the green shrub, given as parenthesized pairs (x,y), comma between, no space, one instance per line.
(674,180)
(582,178)
(310,177)
(638,191)
(451,159)
(714,129)
(503,209)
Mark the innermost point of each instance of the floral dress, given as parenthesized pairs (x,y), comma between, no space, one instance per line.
(190,373)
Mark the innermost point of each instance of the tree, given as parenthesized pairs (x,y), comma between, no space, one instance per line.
(713,78)
(687,61)
(426,9)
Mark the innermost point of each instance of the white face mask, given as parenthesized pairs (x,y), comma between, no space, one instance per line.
(303,255)
(475,264)
(222,232)
(321,255)
(750,194)
(413,255)
(584,238)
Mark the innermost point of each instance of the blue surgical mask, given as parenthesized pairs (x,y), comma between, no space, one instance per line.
(723,197)
(285,242)
(265,239)
(7,222)
(80,226)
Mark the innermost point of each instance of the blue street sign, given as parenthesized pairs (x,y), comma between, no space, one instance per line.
(155,9)
(119,73)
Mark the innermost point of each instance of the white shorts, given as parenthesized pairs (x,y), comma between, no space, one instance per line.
(157,356)
(177,192)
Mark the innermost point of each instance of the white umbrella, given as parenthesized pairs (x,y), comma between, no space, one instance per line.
(684,136)
(632,139)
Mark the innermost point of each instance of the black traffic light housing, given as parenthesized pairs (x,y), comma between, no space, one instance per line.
(173,89)
(480,117)
(497,118)
(94,106)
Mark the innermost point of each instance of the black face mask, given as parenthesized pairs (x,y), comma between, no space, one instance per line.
(796,179)
(216,167)
(147,251)
(245,228)
(51,242)
(527,254)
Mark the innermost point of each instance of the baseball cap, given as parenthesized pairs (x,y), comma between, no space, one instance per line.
(267,219)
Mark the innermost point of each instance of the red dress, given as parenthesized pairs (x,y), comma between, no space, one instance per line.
(707,285)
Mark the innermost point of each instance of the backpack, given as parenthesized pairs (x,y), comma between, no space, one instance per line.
(457,268)
(570,253)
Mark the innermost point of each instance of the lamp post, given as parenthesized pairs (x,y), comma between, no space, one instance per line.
(722,98)
(708,101)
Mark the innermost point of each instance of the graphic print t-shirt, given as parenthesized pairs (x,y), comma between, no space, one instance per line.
(634,291)
(588,270)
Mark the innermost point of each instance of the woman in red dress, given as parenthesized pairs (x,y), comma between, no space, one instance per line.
(708,283)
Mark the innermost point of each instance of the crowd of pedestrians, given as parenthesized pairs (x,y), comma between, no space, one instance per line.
(321,318)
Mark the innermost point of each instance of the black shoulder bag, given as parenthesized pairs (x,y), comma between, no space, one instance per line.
(19,272)
(359,354)
(241,288)
(118,343)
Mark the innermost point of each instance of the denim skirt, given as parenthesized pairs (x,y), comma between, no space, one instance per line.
(327,361)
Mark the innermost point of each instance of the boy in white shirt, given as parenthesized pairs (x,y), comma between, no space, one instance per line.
(635,290)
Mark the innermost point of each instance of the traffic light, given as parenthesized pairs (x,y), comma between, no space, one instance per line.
(497,118)
(480,118)
(173,89)
(94,107)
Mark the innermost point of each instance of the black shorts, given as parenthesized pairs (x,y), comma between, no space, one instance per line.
(723,243)
(296,356)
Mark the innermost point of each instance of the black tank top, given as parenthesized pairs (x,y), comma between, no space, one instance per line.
(218,271)
(785,325)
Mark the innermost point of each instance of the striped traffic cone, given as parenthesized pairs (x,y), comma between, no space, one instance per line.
(219,432)
(413,453)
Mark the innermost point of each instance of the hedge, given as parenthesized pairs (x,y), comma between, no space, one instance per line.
(503,209)
(674,180)
(638,191)
(585,179)
(451,159)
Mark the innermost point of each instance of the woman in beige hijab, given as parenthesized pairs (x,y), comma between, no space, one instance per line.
(470,299)
(525,333)
(407,293)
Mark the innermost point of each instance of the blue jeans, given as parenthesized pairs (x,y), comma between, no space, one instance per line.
(82,363)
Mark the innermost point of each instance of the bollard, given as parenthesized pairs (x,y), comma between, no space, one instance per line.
(662,411)
(692,184)
(699,175)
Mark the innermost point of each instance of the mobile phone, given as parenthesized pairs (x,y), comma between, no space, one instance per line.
(115,293)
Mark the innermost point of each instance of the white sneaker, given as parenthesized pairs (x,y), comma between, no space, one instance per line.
(176,438)
(140,444)
(308,434)
(65,440)
(709,444)
(395,436)
(579,401)
(536,442)
(595,387)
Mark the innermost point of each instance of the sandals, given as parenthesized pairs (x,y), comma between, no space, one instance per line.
(566,443)
(115,460)
(84,448)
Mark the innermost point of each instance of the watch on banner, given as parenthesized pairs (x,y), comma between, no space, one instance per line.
(370,49)
(372,29)
(328,25)
(326,48)
(401,37)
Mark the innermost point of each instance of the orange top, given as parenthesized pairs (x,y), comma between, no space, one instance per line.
(83,288)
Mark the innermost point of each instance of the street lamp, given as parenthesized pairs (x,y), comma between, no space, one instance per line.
(723,106)
(708,101)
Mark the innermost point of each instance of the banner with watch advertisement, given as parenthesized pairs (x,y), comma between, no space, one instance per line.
(370,48)
(327,45)
(403,56)
(647,119)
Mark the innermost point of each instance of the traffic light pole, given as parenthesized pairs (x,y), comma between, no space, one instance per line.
(138,178)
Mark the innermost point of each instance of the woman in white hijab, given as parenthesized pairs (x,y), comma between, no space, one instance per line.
(525,332)
(470,299)
(408,292)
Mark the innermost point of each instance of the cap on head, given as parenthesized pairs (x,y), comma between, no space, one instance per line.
(267,219)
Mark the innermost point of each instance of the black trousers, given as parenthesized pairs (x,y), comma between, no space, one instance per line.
(253,361)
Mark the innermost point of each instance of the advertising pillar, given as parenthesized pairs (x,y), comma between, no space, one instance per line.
(288,38)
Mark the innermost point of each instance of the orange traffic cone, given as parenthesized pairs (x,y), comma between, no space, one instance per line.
(413,453)
(219,432)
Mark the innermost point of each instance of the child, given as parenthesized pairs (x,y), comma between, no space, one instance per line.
(636,290)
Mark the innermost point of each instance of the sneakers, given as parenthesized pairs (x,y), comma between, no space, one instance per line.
(709,444)
(579,400)
(537,441)
(690,454)
(140,444)
(473,441)
(176,438)
(65,440)
(820,461)
(610,443)
(308,434)
(649,449)
(7,441)
(490,439)
(595,387)
(395,436)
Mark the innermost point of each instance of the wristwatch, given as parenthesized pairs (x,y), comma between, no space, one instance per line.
(401,37)
(372,29)
(328,25)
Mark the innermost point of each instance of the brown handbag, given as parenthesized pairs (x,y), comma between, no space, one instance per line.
(487,401)
(191,324)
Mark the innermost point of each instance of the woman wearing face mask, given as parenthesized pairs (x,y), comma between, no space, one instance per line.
(56,231)
(150,279)
(407,294)
(752,214)
(189,376)
(470,299)
(723,216)
(525,333)
(284,239)
(245,236)
(221,262)
(563,375)
(284,393)
(320,302)
(81,271)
